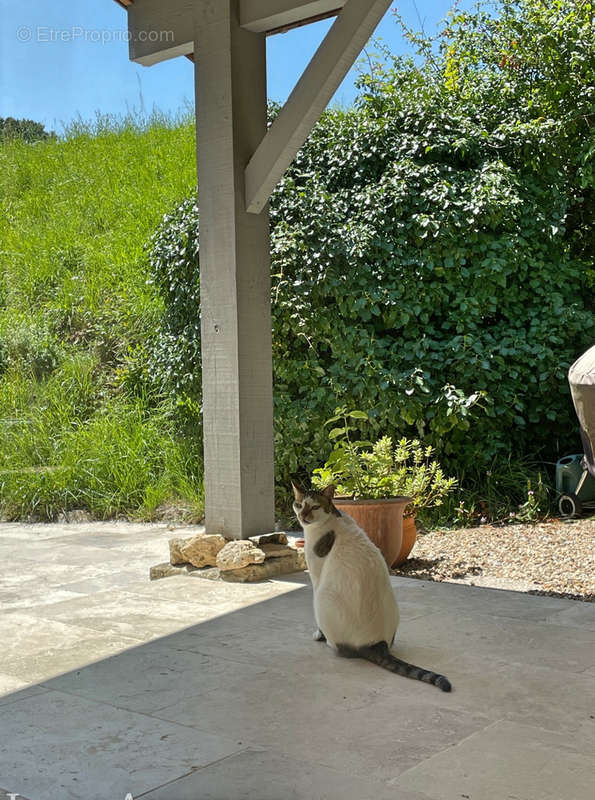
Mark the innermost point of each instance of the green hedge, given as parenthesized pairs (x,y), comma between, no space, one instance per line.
(430,250)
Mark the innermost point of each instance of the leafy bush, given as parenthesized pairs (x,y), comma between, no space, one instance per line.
(429,248)
(173,353)
(365,470)
(173,257)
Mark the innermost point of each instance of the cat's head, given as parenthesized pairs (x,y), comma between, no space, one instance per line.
(312,506)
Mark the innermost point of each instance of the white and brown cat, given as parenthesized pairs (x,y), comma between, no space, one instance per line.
(354,604)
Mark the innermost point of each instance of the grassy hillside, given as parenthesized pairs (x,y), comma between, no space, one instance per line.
(74,302)
(431,264)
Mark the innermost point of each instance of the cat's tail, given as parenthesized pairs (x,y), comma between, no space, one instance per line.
(380,654)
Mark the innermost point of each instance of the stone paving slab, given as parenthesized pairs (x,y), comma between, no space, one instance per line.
(120,540)
(354,729)
(579,615)
(32,593)
(154,676)
(122,613)
(506,760)
(34,649)
(118,579)
(11,691)
(519,641)
(266,775)
(58,746)
(479,600)
(185,688)
(41,531)
(57,574)
(213,593)
(501,689)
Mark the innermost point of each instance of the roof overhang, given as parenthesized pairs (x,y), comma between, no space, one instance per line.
(163,29)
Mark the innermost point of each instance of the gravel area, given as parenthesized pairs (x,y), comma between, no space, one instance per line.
(554,558)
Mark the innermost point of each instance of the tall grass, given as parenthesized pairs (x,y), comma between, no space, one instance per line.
(74,301)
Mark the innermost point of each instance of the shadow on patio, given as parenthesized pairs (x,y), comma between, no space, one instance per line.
(212,690)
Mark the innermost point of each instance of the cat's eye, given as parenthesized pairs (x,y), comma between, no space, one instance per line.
(298,505)
(314,508)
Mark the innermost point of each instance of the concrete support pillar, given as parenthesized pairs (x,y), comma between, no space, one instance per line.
(235,275)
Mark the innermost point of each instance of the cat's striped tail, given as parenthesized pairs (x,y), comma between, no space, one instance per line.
(380,654)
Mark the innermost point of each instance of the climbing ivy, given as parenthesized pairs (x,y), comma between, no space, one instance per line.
(430,248)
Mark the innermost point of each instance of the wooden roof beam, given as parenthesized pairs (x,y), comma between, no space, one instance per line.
(161,30)
(276,16)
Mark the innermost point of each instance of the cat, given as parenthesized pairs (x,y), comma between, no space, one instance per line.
(354,604)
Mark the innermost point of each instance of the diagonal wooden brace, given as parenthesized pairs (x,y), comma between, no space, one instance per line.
(320,80)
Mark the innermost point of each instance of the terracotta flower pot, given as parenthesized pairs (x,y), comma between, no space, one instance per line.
(382,520)
(409,537)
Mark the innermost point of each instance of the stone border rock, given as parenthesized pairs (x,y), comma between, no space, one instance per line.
(213,557)
(200,550)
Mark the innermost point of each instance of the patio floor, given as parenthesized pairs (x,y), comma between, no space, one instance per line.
(189,689)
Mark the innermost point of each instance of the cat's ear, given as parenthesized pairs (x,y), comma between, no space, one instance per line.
(298,489)
(329,492)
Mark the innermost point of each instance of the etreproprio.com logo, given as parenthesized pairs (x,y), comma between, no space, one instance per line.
(45,33)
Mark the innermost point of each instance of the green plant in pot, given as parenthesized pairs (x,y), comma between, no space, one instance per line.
(382,484)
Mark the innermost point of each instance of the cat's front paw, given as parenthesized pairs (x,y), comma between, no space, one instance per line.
(318,636)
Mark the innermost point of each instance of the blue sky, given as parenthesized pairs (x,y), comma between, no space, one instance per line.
(56,81)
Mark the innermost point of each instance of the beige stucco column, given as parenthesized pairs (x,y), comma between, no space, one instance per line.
(230,64)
